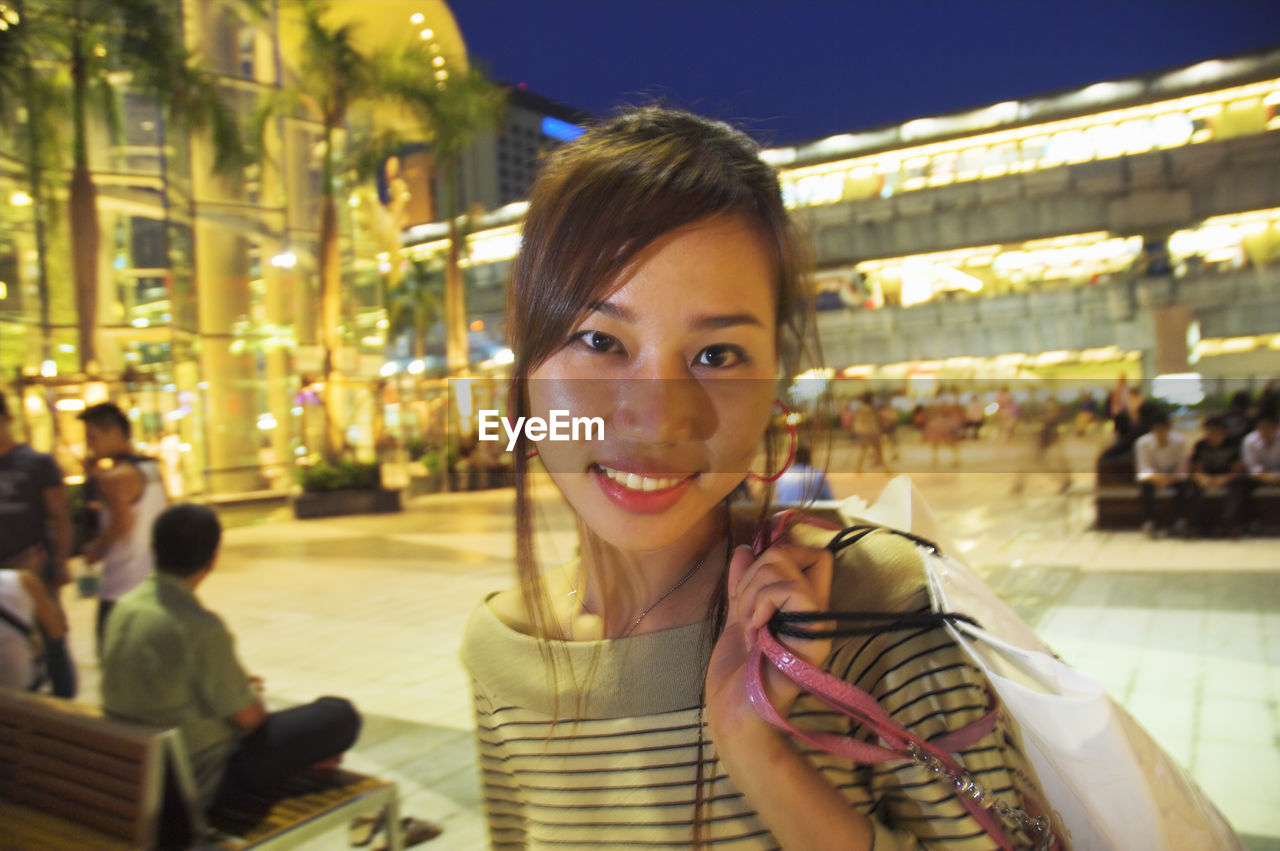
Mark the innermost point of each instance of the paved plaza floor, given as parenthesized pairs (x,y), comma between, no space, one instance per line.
(1186,634)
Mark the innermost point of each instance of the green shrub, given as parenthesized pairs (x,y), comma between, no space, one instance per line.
(345,475)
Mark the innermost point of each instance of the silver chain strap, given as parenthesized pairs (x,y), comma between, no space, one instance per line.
(1013,817)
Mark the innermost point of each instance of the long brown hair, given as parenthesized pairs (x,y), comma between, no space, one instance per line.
(597,203)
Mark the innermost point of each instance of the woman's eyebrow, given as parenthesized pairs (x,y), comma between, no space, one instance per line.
(701,322)
(613,311)
(716,321)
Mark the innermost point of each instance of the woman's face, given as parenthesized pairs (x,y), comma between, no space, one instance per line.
(680,363)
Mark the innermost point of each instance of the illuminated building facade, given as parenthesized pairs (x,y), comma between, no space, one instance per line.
(502,164)
(1127,226)
(207,328)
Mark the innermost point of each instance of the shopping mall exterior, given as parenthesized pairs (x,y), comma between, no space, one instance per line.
(1130,226)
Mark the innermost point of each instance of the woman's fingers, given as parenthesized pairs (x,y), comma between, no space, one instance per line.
(784,577)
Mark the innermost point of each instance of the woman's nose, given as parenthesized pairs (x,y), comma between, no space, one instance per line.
(660,407)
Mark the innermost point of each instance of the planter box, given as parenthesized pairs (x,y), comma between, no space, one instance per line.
(426,483)
(335,503)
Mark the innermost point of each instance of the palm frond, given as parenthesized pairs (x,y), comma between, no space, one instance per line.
(453,111)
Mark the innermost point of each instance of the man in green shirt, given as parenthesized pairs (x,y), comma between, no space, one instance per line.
(170,662)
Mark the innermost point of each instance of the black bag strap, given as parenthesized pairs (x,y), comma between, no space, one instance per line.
(853,534)
(863,623)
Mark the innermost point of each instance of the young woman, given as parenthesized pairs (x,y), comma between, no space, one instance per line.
(658,288)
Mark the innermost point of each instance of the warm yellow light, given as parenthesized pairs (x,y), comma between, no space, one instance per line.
(427,35)
(1238,344)
(417,18)
(95,392)
(69,404)
(99,51)
(442,75)
(1163,124)
(4,290)
(20,199)
(438,61)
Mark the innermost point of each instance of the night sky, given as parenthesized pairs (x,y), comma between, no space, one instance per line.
(790,71)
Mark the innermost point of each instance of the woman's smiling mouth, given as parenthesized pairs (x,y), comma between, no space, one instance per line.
(639,482)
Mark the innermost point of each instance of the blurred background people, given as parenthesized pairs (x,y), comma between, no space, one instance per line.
(1161,464)
(35,535)
(974,417)
(801,483)
(1086,413)
(129,490)
(1216,469)
(867,432)
(27,617)
(1260,454)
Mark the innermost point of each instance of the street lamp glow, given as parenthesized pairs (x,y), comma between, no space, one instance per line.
(285,260)
(388,369)
(417,367)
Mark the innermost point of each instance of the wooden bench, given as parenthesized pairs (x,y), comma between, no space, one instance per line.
(1119,507)
(71,778)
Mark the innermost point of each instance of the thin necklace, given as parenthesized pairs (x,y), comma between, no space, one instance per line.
(673,589)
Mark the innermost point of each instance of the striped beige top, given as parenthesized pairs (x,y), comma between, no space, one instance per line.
(615,765)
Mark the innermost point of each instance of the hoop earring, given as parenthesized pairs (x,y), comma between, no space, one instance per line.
(791,452)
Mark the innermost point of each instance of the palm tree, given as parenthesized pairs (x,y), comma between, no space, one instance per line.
(37,99)
(415,304)
(332,76)
(88,46)
(454,107)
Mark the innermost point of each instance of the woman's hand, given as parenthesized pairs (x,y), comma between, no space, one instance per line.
(786,577)
(794,800)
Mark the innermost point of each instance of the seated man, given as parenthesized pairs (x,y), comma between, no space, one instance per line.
(1261,455)
(801,483)
(1161,462)
(1216,468)
(170,662)
(25,605)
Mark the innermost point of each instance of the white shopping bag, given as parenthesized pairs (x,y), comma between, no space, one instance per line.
(1109,783)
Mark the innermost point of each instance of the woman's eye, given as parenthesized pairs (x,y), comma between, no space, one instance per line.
(596,341)
(720,357)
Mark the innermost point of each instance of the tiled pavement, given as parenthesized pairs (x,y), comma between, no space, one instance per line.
(1184,633)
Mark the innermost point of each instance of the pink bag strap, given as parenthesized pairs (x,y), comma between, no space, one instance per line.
(899,742)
